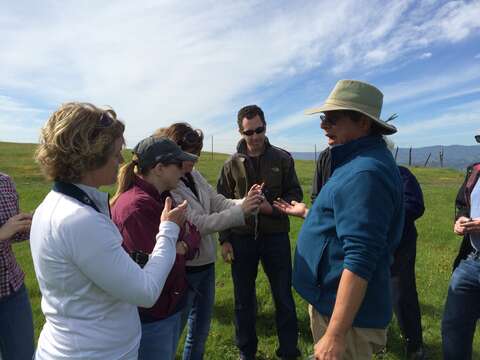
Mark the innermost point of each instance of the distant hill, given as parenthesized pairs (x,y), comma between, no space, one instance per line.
(454,156)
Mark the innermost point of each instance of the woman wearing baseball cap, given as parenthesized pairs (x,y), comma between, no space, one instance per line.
(144,185)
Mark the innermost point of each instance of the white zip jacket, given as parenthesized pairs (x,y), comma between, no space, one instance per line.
(210,213)
(90,287)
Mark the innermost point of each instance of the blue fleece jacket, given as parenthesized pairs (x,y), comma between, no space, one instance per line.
(355,223)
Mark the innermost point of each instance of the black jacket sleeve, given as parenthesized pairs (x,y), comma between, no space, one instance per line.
(225,187)
(322,172)
(462,209)
(461,206)
(413,196)
(291,186)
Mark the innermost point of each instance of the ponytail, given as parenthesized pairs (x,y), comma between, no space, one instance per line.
(126,179)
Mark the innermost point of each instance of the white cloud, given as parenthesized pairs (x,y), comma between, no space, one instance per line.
(455,125)
(291,121)
(411,27)
(452,93)
(160,62)
(20,119)
(449,80)
(426,55)
(24,131)
(446,121)
(23,134)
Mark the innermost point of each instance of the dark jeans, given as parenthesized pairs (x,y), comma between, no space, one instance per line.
(462,309)
(273,250)
(405,296)
(16,326)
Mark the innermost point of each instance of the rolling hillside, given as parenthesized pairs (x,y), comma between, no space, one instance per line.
(455,156)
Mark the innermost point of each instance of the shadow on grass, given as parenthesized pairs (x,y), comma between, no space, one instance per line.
(432,336)
(433,311)
(265,320)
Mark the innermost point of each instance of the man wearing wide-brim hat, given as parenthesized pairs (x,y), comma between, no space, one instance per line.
(346,243)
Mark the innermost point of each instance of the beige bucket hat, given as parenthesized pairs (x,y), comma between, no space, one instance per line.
(357,96)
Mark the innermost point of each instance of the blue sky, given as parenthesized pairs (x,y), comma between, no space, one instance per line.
(158,62)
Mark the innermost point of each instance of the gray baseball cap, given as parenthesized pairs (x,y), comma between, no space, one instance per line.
(153,150)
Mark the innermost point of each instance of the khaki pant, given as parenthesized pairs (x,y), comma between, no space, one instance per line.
(361,343)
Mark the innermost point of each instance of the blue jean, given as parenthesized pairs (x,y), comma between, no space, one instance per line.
(462,309)
(16,326)
(160,338)
(198,312)
(273,251)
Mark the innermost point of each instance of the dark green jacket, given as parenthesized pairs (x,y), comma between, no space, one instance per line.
(276,169)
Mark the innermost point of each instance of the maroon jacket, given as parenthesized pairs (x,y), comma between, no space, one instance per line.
(137,215)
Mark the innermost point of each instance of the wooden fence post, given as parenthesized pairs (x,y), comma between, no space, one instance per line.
(428,158)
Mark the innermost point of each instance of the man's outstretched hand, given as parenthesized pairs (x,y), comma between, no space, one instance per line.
(297,209)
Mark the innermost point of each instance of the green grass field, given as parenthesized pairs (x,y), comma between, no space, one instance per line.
(437,247)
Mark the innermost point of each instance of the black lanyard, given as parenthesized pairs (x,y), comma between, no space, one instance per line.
(190,183)
(74,192)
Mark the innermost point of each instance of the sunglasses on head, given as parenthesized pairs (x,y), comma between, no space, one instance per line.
(191,138)
(103,122)
(258,130)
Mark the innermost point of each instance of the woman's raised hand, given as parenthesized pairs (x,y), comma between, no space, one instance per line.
(17,223)
(255,190)
(251,204)
(176,215)
(253,200)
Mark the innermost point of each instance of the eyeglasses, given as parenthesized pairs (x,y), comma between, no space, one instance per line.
(258,130)
(331,118)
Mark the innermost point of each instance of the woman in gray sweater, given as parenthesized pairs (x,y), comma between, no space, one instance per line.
(210,212)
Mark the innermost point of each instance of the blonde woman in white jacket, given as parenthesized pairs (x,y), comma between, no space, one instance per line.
(90,286)
(210,212)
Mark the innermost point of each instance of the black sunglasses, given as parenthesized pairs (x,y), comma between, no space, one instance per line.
(103,122)
(191,138)
(477,138)
(258,130)
(331,118)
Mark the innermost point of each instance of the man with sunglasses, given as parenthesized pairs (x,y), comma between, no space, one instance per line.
(404,289)
(265,236)
(346,244)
